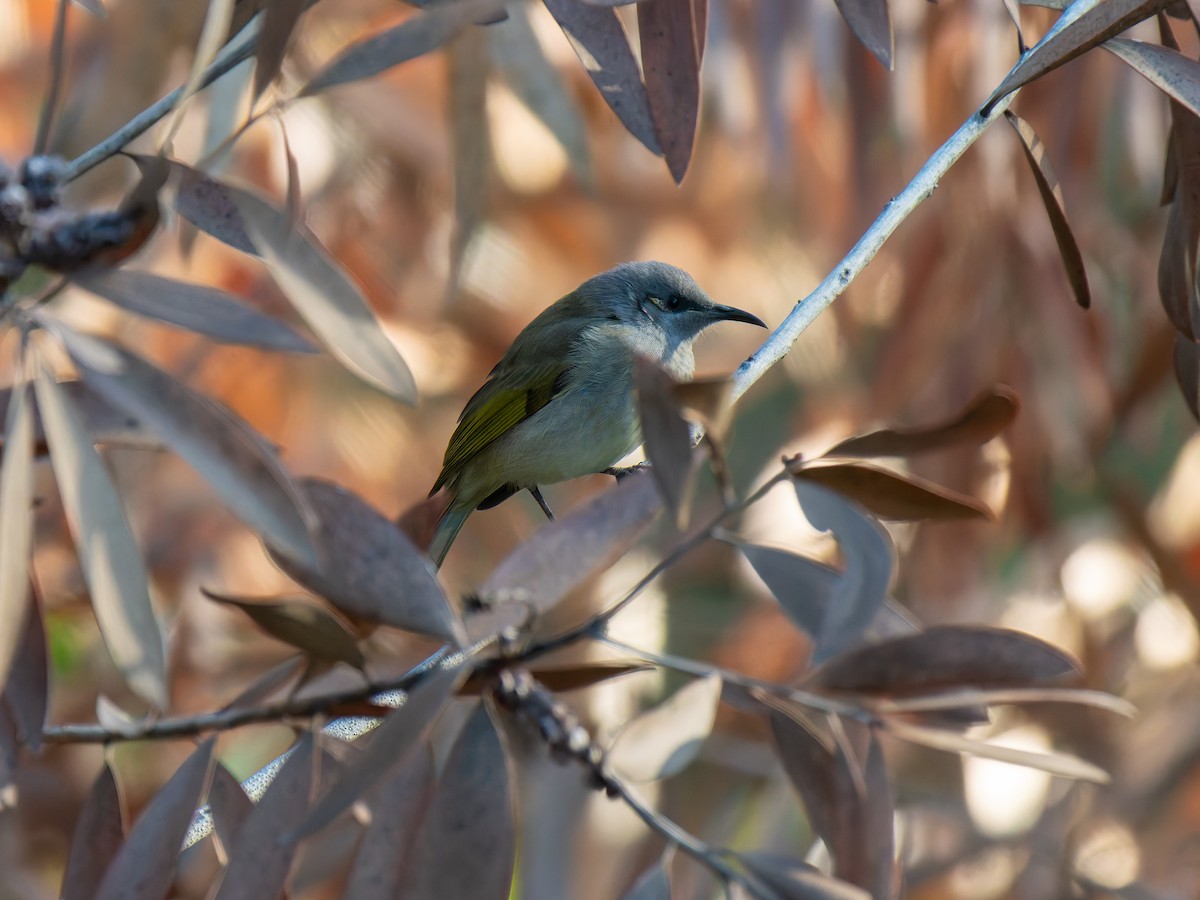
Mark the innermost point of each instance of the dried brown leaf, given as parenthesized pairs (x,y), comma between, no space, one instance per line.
(543,569)
(396,815)
(196,307)
(234,459)
(670,60)
(1098,21)
(99,834)
(984,418)
(391,745)
(259,860)
(708,401)
(663,741)
(667,438)
(891,495)
(1051,193)
(467,844)
(871,23)
(368,569)
(111,561)
(603,48)
(1187,371)
(145,865)
(302,624)
(945,657)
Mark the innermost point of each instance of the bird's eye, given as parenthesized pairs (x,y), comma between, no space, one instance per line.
(673,301)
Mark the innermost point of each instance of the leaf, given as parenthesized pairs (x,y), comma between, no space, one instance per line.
(792,879)
(667,437)
(326,298)
(945,657)
(1177,264)
(16,524)
(653,884)
(1061,764)
(663,741)
(471,140)
(304,625)
(1051,193)
(708,401)
(960,699)
(196,307)
(467,844)
(400,732)
(98,836)
(26,693)
(983,418)
(870,561)
(520,59)
(279,21)
(260,860)
(379,866)
(1170,71)
(1094,22)
(603,48)
(416,36)
(111,562)
(368,569)
(228,805)
(670,60)
(891,495)
(562,678)
(231,456)
(1187,371)
(145,865)
(105,424)
(804,587)
(547,566)
(217,20)
(872,25)
(212,206)
(93,7)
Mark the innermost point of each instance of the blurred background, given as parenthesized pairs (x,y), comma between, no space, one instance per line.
(803,137)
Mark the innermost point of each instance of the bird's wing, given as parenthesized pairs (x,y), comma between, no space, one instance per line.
(506,400)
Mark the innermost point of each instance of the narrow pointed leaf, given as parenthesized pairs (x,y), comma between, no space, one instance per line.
(16,524)
(279,21)
(304,625)
(1051,193)
(947,656)
(111,561)
(26,694)
(804,587)
(99,834)
(212,206)
(467,844)
(652,885)
(967,697)
(982,419)
(196,307)
(105,423)
(890,495)
(396,815)
(327,299)
(1061,764)
(145,865)
(1170,71)
(870,562)
(228,806)
(1177,268)
(217,20)
(1099,20)
(872,25)
(663,741)
(391,745)
(708,401)
(368,569)
(424,32)
(546,567)
(667,438)
(603,48)
(667,31)
(233,458)
(471,140)
(259,861)
(1187,371)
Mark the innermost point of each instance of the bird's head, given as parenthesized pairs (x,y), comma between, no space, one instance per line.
(661,297)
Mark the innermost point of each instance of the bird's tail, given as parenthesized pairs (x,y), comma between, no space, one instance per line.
(447,530)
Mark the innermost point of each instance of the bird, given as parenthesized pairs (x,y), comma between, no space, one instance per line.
(560,403)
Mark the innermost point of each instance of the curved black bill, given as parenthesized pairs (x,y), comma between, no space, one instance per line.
(733,314)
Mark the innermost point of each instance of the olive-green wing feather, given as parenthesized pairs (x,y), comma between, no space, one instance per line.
(531,374)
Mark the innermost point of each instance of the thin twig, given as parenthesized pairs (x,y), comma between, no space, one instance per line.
(541,501)
(237,51)
(57,63)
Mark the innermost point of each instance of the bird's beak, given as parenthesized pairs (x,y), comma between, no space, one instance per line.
(733,314)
